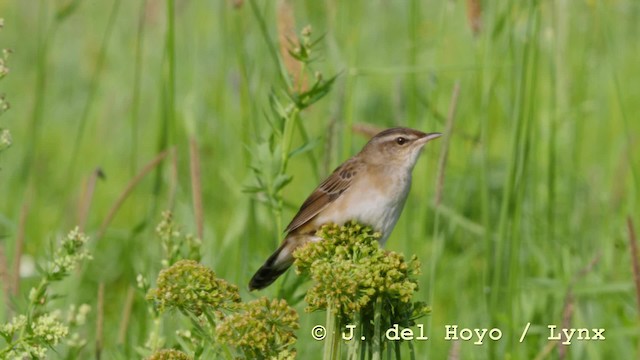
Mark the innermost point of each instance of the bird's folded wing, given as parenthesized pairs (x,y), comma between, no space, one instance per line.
(327,192)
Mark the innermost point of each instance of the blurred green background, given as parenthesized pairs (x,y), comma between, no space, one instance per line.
(541,176)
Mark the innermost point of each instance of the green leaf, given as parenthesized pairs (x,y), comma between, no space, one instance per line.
(317,92)
(281,181)
(279,111)
(304,148)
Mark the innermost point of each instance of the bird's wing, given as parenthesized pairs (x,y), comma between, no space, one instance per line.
(327,192)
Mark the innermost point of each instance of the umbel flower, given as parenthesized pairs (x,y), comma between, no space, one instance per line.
(261,328)
(350,270)
(359,283)
(191,287)
(222,326)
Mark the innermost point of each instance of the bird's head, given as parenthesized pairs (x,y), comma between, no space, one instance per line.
(396,146)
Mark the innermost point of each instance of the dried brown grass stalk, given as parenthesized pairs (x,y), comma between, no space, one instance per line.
(474,16)
(445,142)
(127,190)
(196,185)
(569,303)
(366,130)
(87,197)
(567,315)
(100,321)
(287,39)
(454,351)
(126,316)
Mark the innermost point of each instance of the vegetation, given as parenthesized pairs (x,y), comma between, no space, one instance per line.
(229,113)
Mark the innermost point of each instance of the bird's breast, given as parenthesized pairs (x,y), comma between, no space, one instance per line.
(374,201)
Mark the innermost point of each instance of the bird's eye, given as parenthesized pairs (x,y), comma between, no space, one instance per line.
(401,140)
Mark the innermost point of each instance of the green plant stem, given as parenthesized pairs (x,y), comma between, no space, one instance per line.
(524,154)
(355,344)
(93,89)
(273,51)
(412,352)
(168,110)
(171,61)
(510,189)
(287,137)
(135,96)
(40,292)
(46,36)
(411,79)
(376,344)
(11,346)
(332,341)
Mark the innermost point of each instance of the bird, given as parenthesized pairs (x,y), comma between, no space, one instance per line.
(370,188)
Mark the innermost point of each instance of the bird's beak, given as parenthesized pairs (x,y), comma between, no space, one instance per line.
(428,137)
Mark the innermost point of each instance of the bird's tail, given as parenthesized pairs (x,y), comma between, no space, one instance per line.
(275,266)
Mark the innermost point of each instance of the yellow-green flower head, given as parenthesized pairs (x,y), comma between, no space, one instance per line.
(169,354)
(261,328)
(192,287)
(49,329)
(67,256)
(350,270)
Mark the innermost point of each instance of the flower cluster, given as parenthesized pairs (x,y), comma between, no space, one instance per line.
(302,51)
(193,288)
(14,326)
(49,328)
(44,332)
(261,328)
(220,323)
(31,335)
(169,354)
(66,257)
(70,253)
(350,270)
(174,244)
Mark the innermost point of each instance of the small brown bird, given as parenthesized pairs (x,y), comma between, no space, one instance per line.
(370,188)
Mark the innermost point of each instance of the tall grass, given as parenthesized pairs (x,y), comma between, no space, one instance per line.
(94,82)
(541,174)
